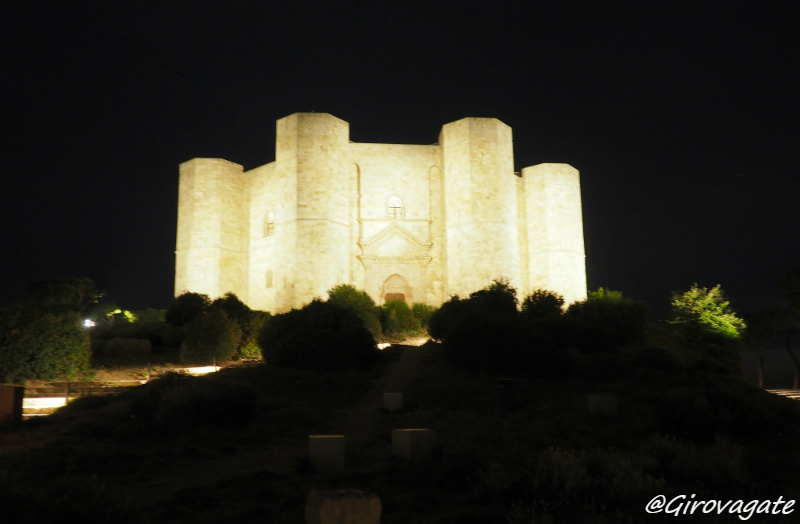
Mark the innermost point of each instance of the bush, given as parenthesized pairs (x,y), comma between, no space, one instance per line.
(321,335)
(43,343)
(150,315)
(176,402)
(498,297)
(542,304)
(124,348)
(248,346)
(360,303)
(186,307)
(397,318)
(608,320)
(486,332)
(423,313)
(211,336)
(654,357)
(446,319)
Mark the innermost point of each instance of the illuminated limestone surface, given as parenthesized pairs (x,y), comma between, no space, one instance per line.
(412,222)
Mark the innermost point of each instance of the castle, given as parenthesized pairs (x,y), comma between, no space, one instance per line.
(413,222)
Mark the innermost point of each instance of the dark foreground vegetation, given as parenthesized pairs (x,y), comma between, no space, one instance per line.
(504,385)
(231,447)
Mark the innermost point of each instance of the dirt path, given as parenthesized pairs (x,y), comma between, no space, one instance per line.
(364,426)
(361,422)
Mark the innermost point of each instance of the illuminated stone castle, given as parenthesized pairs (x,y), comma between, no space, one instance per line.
(413,222)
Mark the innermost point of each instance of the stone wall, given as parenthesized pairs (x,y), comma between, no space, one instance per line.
(418,222)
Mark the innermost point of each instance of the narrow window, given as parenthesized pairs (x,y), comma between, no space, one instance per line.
(269,279)
(394,208)
(269,224)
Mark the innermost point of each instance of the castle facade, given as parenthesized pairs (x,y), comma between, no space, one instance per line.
(413,222)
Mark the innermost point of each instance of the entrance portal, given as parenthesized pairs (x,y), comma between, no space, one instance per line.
(396,288)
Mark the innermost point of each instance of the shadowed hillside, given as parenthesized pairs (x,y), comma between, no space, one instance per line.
(232,446)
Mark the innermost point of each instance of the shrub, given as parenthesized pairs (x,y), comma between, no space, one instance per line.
(248,346)
(43,343)
(235,309)
(360,303)
(211,336)
(542,304)
(321,335)
(397,318)
(176,402)
(654,357)
(124,348)
(444,322)
(160,334)
(498,297)
(423,313)
(150,315)
(486,332)
(186,307)
(608,320)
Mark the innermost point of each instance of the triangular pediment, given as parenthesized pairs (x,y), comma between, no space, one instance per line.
(394,237)
(395,244)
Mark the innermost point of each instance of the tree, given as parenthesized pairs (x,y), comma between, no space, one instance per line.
(790,290)
(764,328)
(73,293)
(110,313)
(43,343)
(703,319)
(700,313)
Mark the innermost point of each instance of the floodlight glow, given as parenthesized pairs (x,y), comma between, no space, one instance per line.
(43,402)
(203,370)
(88,323)
(383,345)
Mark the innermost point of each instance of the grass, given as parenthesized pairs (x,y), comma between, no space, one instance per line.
(521,451)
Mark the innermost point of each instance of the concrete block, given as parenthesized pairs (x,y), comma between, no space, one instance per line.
(392,401)
(326,452)
(343,506)
(413,443)
(603,404)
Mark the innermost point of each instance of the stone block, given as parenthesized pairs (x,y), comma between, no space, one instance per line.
(413,443)
(326,452)
(11,404)
(343,506)
(392,401)
(603,404)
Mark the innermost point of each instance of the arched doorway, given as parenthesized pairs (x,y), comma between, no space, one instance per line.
(396,288)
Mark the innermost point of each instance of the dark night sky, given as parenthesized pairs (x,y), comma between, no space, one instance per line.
(682,118)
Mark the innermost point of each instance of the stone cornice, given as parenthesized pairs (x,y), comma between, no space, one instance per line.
(370,260)
(394,230)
